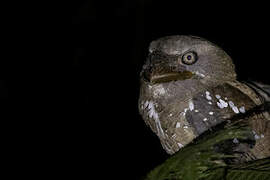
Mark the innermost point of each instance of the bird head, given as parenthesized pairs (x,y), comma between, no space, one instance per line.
(176,70)
(178,58)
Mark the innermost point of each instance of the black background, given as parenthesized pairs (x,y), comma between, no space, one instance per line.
(80,93)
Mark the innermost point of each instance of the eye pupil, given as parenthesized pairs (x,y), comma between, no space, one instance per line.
(189,57)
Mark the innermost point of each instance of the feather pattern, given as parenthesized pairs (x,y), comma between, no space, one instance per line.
(200,160)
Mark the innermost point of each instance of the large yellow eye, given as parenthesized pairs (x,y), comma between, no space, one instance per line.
(189,58)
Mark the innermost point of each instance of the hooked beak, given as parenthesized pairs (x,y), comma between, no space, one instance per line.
(162,73)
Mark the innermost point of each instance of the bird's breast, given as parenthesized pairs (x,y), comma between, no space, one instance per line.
(178,117)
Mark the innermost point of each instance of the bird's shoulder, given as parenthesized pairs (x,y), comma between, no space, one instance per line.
(262,89)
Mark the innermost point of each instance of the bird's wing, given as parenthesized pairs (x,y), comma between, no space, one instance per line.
(262,89)
(209,157)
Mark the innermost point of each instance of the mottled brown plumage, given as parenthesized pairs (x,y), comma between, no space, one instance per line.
(189,85)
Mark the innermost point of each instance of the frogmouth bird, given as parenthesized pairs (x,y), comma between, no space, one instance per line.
(190,95)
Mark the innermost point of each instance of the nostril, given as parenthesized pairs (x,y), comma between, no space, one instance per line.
(174,68)
(180,68)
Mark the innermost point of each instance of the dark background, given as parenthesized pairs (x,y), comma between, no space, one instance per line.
(81,90)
